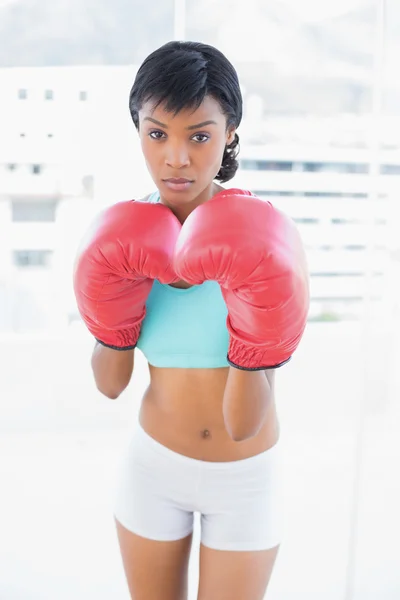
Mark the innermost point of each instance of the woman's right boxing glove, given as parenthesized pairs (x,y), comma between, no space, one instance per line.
(128,246)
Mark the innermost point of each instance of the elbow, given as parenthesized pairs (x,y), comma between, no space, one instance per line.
(242,426)
(242,437)
(240,434)
(239,437)
(111,393)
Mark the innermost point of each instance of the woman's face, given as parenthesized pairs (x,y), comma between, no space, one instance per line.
(184,152)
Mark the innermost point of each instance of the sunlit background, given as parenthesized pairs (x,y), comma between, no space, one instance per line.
(320,139)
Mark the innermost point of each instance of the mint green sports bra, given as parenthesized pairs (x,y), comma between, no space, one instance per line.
(185,328)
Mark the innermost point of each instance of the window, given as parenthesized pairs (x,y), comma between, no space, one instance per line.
(32,258)
(306,220)
(390,169)
(22,94)
(311,167)
(251,165)
(283,193)
(83,95)
(334,195)
(265,165)
(332,274)
(278,166)
(36,169)
(343,221)
(49,95)
(23,211)
(22,135)
(11,167)
(310,194)
(359,195)
(336,167)
(262,193)
(344,274)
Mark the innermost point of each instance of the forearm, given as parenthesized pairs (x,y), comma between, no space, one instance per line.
(112,370)
(247,397)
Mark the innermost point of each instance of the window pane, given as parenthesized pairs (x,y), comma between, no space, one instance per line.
(32,258)
(30,211)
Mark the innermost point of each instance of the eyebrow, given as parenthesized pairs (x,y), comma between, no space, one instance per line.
(197,126)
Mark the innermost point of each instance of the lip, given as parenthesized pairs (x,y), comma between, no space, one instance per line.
(178,184)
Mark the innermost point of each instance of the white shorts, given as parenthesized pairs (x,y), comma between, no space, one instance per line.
(239,502)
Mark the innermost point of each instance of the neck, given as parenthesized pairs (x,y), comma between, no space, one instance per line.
(183,211)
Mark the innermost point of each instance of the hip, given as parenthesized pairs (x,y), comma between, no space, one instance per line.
(159,462)
(240,502)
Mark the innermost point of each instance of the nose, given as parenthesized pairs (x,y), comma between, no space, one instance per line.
(177,155)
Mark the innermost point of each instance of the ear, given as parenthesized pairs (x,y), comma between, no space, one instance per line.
(230,136)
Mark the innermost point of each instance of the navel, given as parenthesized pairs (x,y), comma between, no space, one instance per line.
(206,434)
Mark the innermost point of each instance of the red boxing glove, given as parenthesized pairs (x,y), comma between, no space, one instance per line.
(255,253)
(128,246)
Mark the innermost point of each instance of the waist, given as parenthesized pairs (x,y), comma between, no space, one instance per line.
(183,411)
(144,438)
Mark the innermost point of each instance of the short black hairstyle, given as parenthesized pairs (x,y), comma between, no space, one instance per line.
(180,75)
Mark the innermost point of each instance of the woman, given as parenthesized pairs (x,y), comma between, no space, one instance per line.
(211,285)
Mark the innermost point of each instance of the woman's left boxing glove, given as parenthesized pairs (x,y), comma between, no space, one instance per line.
(255,253)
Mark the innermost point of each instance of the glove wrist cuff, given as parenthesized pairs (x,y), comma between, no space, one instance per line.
(112,347)
(123,339)
(252,358)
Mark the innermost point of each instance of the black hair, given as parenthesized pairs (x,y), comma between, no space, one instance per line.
(180,75)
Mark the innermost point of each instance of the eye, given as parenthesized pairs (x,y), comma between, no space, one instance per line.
(203,138)
(156,134)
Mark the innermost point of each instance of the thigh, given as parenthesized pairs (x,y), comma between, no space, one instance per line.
(230,575)
(154,569)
